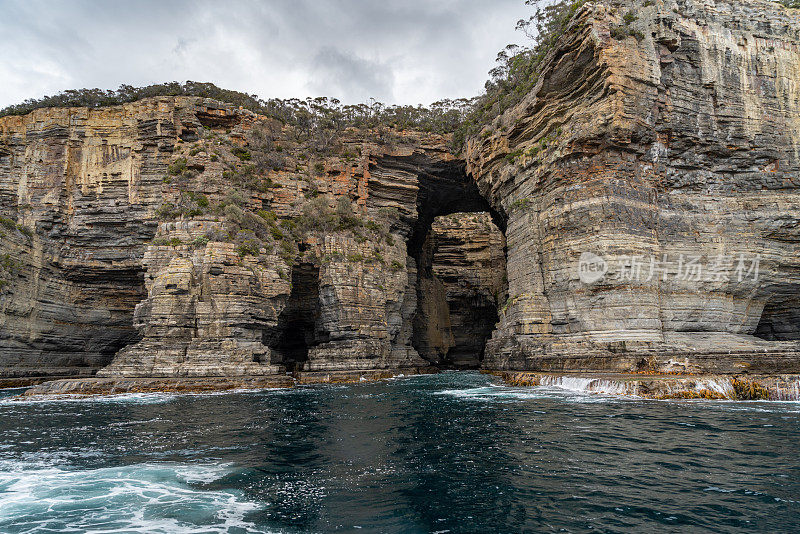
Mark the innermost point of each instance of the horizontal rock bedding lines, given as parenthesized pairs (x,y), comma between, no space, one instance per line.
(182,237)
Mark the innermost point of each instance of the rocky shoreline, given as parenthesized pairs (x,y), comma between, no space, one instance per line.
(116,386)
(655,386)
(666,387)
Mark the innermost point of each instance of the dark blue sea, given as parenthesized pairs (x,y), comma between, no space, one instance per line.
(454,452)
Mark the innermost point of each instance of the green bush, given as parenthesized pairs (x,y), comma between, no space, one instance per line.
(166,211)
(177,167)
(512,157)
(234,213)
(620,33)
(200,241)
(347,219)
(521,204)
(276,233)
(242,154)
(9,264)
(267,215)
(8,223)
(233,197)
(248,247)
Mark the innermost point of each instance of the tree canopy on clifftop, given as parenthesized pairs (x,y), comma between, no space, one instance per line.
(440,117)
(515,74)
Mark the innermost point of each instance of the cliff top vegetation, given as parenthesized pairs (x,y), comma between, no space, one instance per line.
(516,73)
(511,79)
(440,117)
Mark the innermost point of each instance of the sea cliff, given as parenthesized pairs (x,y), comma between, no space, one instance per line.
(636,212)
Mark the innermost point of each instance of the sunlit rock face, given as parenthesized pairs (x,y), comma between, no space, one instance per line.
(665,151)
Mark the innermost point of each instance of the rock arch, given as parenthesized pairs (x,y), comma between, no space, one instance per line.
(456,244)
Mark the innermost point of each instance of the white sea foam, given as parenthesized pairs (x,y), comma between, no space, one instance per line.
(151,498)
(513,394)
(789,392)
(596,389)
(131,398)
(123,398)
(578,384)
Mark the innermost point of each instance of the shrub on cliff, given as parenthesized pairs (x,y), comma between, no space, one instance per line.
(518,68)
(9,267)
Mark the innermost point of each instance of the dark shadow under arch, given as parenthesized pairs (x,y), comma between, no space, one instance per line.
(445,188)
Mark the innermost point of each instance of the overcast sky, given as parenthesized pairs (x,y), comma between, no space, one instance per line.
(398,51)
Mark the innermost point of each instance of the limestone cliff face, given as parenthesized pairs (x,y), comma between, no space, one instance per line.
(671,138)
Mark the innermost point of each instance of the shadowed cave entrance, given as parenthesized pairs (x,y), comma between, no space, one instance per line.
(458,245)
(780,320)
(461,284)
(297,329)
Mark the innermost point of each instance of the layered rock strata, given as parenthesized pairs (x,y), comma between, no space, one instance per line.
(193,239)
(652,186)
(77,190)
(461,288)
(648,189)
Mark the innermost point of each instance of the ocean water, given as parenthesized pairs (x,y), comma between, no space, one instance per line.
(448,453)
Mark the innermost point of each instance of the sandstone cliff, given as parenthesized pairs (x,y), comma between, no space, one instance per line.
(195,239)
(659,135)
(660,150)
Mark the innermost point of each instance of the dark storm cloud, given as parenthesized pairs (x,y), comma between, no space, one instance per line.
(404,51)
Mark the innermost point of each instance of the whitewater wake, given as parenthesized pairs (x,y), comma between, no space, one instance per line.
(146,498)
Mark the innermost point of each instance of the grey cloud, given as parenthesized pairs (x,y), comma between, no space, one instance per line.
(403,51)
(348,77)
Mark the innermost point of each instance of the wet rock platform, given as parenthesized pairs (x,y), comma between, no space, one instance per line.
(665,386)
(116,386)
